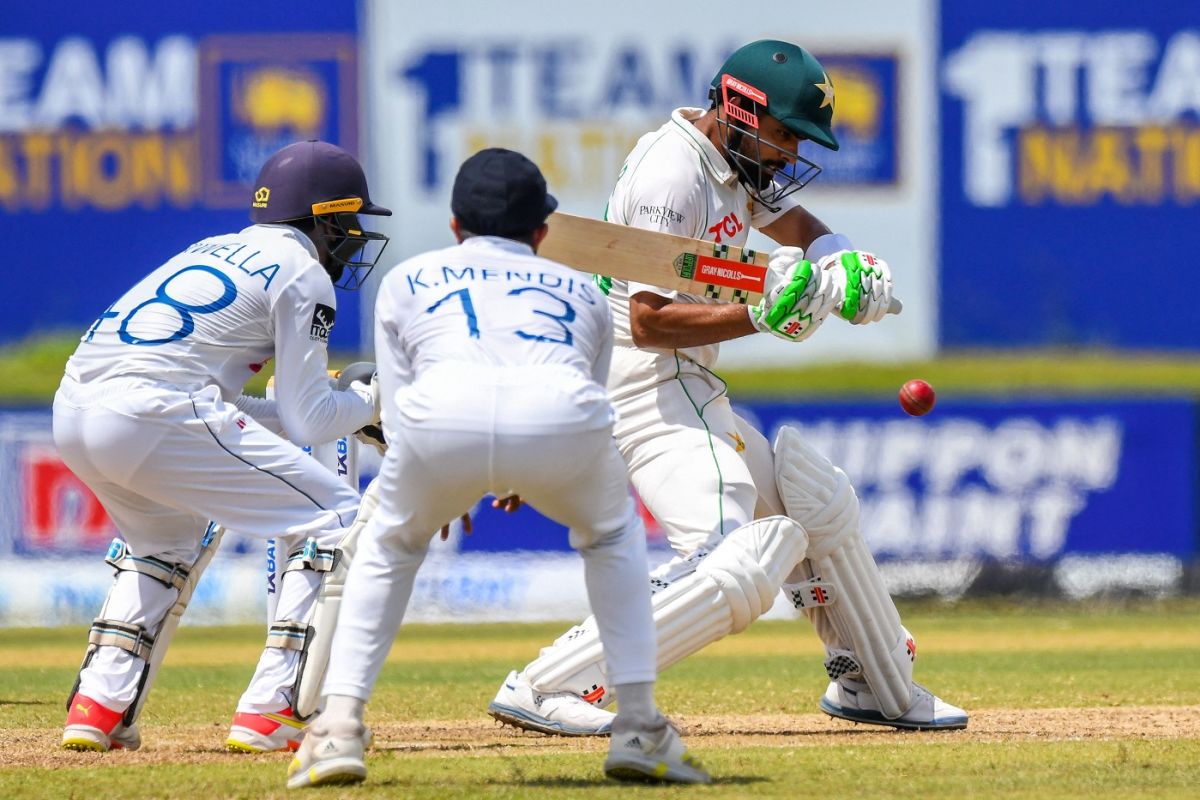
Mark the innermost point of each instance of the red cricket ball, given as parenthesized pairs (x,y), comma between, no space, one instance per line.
(917,397)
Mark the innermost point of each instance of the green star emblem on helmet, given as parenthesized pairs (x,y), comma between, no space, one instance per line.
(798,90)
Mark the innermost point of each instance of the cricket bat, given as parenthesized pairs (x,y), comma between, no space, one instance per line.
(722,272)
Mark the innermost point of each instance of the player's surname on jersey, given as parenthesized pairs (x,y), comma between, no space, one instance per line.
(449,275)
(231,252)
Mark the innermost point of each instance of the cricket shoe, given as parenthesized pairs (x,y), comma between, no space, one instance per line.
(852,700)
(91,726)
(655,755)
(330,754)
(556,713)
(264,733)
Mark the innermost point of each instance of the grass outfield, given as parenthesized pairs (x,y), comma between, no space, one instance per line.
(1066,702)
(30,372)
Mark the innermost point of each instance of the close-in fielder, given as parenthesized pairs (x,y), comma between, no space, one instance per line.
(703,472)
(492,364)
(151,417)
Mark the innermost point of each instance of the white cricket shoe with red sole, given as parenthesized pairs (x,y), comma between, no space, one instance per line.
(267,732)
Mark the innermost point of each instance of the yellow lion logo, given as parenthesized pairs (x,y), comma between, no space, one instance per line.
(859,100)
(274,99)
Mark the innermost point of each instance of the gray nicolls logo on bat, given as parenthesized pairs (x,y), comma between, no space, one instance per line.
(322,323)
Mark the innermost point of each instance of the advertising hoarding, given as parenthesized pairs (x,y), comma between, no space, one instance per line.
(127,136)
(1070,147)
(575,92)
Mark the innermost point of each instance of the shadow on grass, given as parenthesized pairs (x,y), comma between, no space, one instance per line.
(594,783)
(857,730)
(450,747)
(28,702)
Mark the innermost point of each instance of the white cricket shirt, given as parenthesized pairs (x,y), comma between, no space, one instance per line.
(676,181)
(490,310)
(216,313)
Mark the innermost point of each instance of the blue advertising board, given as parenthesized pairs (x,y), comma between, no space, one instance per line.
(127,136)
(984,479)
(1038,482)
(866,87)
(1013,480)
(1070,173)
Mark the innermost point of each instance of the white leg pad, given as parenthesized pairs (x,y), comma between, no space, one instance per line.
(863,623)
(319,642)
(697,601)
(180,579)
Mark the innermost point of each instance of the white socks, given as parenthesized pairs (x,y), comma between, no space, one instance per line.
(342,707)
(635,706)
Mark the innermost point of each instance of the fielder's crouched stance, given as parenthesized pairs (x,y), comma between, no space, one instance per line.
(491,370)
(151,417)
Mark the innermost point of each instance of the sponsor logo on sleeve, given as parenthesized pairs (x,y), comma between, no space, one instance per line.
(322,323)
(660,215)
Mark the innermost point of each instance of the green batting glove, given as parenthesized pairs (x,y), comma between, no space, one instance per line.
(867,276)
(781,313)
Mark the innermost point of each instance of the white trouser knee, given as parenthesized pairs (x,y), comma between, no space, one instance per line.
(615,574)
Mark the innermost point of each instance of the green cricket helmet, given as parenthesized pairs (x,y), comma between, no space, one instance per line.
(785,81)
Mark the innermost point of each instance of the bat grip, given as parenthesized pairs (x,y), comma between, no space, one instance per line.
(896,306)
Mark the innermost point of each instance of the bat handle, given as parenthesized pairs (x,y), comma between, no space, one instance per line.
(896,306)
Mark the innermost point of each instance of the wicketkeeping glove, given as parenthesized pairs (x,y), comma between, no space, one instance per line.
(373,436)
(868,285)
(797,296)
(361,378)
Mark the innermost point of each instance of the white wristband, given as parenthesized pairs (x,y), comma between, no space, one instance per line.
(827,245)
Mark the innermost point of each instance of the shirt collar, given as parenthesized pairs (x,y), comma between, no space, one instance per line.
(499,243)
(288,231)
(714,161)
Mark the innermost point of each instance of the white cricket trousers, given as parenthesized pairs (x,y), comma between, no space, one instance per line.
(164,461)
(701,469)
(520,441)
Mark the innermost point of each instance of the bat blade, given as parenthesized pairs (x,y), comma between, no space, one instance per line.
(694,266)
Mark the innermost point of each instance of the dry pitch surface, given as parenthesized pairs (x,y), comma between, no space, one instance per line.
(199,744)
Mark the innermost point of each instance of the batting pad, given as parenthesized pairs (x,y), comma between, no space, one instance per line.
(819,496)
(730,587)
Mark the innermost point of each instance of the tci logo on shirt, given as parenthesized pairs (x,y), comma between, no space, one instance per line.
(322,323)
(729,226)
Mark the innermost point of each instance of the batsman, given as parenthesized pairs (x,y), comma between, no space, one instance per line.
(707,476)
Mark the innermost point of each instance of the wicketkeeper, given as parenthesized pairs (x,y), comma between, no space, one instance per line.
(491,368)
(150,415)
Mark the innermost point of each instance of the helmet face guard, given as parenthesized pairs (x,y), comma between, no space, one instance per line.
(746,150)
(353,252)
(320,189)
